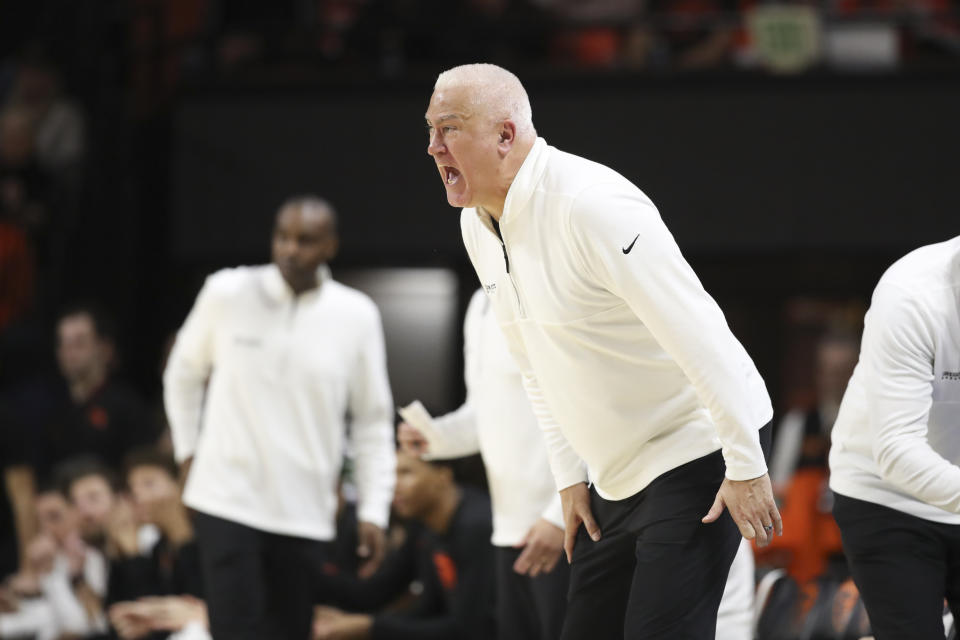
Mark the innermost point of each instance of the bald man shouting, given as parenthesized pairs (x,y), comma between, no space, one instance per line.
(270,361)
(655,418)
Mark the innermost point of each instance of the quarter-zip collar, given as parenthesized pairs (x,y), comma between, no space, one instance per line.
(526,181)
(279,291)
(523,185)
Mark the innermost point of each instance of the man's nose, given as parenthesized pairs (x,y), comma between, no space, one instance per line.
(286,248)
(435,146)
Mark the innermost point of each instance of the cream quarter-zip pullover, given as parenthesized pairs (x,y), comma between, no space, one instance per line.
(284,373)
(629,364)
(896,441)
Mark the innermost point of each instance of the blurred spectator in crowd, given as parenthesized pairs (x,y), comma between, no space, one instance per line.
(803,436)
(590,32)
(403,33)
(682,35)
(17,517)
(59,132)
(23,185)
(89,411)
(265,370)
(811,541)
(41,148)
(16,273)
(107,521)
(105,517)
(454,563)
(151,596)
(59,591)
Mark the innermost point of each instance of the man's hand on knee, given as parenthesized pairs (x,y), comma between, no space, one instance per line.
(575,501)
(751,506)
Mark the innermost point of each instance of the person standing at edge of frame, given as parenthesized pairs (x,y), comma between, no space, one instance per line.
(895,455)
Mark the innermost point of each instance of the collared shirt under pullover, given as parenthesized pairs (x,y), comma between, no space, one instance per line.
(284,372)
(497,421)
(896,441)
(628,362)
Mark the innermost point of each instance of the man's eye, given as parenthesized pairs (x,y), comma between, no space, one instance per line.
(448,129)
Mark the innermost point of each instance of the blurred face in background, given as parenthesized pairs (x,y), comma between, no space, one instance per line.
(152,488)
(81,353)
(55,516)
(16,137)
(304,237)
(836,361)
(93,499)
(464,145)
(419,486)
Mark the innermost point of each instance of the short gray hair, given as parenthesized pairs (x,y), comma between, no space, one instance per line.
(497,92)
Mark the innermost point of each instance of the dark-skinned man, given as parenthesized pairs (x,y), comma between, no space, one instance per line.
(265,369)
(449,554)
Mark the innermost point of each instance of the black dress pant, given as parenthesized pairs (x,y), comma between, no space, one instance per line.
(904,567)
(259,585)
(530,608)
(657,572)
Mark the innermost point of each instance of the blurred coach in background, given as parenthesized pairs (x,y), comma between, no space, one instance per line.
(259,383)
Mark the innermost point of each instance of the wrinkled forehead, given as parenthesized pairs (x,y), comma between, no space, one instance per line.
(456,102)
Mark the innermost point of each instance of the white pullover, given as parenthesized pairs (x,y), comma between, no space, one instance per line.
(896,441)
(496,420)
(628,362)
(284,372)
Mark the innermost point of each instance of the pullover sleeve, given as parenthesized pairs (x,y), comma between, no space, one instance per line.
(458,429)
(624,244)
(554,512)
(391,580)
(898,356)
(371,426)
(187,371)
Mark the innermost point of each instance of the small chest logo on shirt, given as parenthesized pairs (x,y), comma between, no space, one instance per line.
(951,375)
(490,288)
(627,249)
(98,418)
(446,570)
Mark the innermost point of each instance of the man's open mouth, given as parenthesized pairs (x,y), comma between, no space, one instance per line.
(450,175)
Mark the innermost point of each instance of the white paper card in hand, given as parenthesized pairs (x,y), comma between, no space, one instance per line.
(416,415)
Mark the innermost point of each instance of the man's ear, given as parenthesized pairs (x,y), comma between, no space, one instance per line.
(508,135)
(333,246)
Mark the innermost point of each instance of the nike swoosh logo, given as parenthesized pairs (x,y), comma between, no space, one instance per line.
(629,247)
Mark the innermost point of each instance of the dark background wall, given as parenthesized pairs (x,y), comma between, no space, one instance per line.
(853,163)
